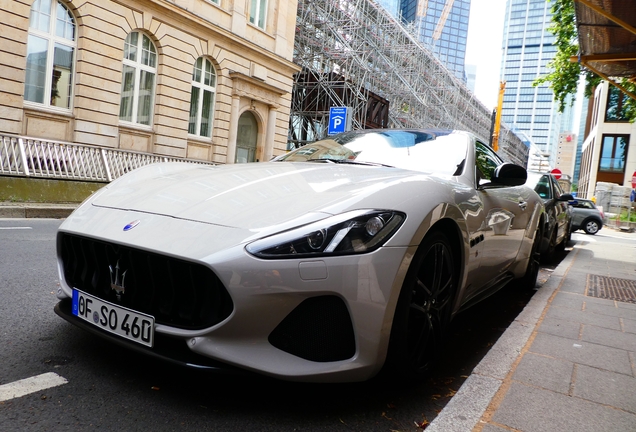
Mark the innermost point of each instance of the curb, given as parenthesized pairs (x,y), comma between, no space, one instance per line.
(468,406)
(36,211)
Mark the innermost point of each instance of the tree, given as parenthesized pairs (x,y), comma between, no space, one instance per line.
(564,76)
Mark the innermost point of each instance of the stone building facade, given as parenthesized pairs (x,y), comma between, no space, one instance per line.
(608,155)
(200,79)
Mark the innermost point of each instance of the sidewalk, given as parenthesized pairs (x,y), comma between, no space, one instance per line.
(568,362)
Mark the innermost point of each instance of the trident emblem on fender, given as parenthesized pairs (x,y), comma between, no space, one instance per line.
(115,282)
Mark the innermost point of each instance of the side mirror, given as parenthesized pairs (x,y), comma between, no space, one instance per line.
(566,197)
(509,174)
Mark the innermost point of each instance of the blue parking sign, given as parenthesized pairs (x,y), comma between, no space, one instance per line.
(337,120)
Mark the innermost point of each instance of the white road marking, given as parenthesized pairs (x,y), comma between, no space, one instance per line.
(27,386)
(14,228)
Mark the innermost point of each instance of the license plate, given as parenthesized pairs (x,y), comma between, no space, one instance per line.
(112,318)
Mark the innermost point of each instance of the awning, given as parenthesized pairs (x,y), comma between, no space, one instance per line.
(607,38)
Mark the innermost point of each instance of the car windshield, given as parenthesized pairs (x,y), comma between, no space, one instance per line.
(412,150)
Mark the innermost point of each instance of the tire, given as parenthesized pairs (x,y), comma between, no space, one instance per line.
(568,236)
(529,279)
(550,253)
(423,311)
(591,227)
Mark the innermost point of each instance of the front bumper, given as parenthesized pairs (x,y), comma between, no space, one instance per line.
(265,293)
(166,348)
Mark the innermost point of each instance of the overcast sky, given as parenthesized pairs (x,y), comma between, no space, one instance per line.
(483,48)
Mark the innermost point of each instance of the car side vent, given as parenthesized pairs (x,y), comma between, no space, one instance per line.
(176,292)
(319,329)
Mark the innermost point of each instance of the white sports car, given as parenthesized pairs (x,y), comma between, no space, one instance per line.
(332,262)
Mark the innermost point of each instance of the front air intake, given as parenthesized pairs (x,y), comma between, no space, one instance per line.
(319,329)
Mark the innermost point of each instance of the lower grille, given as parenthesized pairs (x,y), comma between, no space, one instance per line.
(176,292)
(319,329)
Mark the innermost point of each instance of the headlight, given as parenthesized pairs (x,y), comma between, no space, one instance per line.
(349,233)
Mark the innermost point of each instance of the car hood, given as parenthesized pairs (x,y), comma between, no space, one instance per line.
(249,196)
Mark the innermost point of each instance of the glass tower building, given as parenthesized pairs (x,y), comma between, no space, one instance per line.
(442,25)
(527,48)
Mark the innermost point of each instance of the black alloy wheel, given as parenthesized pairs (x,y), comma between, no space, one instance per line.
(424,309)
(591,227)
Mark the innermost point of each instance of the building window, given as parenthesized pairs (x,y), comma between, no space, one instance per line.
(138,79)
(202,98)
(614,153)
(616,111)
(50,55)
(258,9)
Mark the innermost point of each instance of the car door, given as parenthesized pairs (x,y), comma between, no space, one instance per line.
(506,216)
(562,209)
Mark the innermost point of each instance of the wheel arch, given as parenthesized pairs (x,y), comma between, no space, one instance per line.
(451,230)
(443,218)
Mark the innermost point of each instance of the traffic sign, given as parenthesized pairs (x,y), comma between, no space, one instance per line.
(338,120)
(556,173)
(634,180)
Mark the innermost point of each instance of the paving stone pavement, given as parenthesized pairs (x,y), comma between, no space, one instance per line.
(568,362)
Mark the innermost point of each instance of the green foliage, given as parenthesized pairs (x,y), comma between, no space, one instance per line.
(626,216)
(630,103)
(564,76)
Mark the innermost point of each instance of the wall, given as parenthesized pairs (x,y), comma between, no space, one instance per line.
(182,31)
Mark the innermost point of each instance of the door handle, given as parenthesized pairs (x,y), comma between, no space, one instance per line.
(523,205)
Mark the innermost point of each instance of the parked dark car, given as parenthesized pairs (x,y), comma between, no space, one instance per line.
(558,223)
(586,216)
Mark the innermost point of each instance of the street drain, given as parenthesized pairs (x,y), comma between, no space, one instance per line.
(611,288)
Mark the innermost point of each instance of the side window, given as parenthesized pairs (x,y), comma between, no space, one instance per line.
(202,98)
(138,79)
(557,189)
(50,55)
(486,162)
(258,12)
(543,187)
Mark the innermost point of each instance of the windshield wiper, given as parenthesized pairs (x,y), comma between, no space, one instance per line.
(349,162)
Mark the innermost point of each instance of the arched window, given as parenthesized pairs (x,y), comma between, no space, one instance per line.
(202,98)
(138,79)
(50,54)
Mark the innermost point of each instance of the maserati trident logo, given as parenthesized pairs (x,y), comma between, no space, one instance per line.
(117,280)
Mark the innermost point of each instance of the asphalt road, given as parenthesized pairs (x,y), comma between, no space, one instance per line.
(109,388)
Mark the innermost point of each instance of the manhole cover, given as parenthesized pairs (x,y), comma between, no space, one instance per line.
(611,288)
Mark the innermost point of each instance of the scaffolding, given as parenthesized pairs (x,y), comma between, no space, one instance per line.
(355,54)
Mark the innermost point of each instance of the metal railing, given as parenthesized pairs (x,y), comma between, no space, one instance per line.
(34,157)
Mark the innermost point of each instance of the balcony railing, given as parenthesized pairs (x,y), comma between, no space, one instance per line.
(34,157)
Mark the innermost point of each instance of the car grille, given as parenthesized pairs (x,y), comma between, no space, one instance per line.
(176,292)
(319,329)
